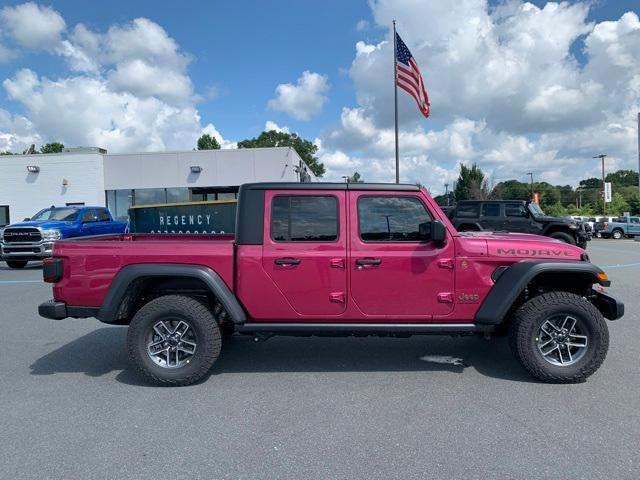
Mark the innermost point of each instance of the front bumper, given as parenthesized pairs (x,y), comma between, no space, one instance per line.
(610,307)
(26,251)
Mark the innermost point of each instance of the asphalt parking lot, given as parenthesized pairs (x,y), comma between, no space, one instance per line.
(312,408)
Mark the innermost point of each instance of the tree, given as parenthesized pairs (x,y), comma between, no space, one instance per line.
(53,147)
(618,205)
(591,183)
(355,178)
(207,142)
(306,149)
(623,178)
(7,153)
(471,184)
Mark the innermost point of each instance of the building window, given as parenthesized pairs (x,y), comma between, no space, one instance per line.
(150,196)
(391,219)
(227,196)
(177,195)
(4,215)
(304,218)
(119,202)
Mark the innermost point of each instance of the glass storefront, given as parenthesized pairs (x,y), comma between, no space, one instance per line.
(119,201)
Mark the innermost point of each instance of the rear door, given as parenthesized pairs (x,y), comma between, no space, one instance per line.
(304,250)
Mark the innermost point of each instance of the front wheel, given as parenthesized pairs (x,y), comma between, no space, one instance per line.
(173,340)
(559,337)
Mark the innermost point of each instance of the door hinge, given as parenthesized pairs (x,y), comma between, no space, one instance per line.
(336,297)
(445,297)
(337,262)
(446,263)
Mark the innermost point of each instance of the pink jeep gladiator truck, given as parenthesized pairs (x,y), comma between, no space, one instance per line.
(335,259)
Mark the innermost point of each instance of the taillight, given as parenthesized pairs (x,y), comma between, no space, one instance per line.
(52,269)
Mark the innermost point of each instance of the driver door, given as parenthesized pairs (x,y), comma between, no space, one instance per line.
(392,273)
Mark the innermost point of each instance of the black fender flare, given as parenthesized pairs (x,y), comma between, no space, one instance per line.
(124,278)
(558,227)
(513,280)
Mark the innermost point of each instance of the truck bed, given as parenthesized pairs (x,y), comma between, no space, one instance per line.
(91,263)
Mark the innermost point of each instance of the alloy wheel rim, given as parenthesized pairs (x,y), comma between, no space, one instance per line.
(171,343)
(562,340)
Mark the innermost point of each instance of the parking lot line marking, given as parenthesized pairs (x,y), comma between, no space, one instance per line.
(8,282)
(622,265)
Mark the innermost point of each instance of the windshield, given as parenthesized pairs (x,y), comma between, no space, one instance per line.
(535,209)
(63,214)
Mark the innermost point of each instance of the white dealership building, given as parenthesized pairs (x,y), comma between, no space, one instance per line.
(91,176)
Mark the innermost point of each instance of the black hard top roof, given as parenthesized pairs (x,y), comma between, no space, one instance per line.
(492,201)
(329,186)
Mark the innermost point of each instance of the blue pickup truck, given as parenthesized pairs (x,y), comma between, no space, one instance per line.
(619,227)
(33,238)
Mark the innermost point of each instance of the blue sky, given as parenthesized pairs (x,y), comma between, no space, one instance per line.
(240,51)
(243,49)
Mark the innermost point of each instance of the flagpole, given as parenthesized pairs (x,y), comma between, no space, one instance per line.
(395,97)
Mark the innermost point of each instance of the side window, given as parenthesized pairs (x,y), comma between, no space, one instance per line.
(102,215)
(469,210)
(304,218)
(390,219)
(514,210)
(490,209)
(634,219)
(87,216)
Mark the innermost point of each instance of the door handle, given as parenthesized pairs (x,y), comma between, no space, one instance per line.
(287,261)
(368,261)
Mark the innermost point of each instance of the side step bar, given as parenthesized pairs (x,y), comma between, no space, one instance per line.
(364,328)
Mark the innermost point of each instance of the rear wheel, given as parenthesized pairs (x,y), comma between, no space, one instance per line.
(559,337)
(173,340)
(16,263)
(564,237)
(617,234)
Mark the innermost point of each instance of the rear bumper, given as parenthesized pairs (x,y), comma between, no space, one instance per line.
(610,307)
(59,310)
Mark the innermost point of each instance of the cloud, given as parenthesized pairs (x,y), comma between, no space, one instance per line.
(127,90)
(225,144)
(33,26)
(269,125)
(362,26)
(303,100)
(506,92)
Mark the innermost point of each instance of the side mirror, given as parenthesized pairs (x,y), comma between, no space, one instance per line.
(525,213)
(26,219)
(433,231)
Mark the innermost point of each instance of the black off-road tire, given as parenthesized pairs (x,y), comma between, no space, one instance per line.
(199,318)
(564,237)
(527,322)
(16,263)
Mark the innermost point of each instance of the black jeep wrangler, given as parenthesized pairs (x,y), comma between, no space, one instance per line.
(517,216)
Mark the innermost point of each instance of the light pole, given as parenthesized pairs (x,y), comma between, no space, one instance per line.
(531,175)
(604,204)
(446,192)
(346,178)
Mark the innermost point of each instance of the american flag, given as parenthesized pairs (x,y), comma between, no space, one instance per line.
(409,78)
